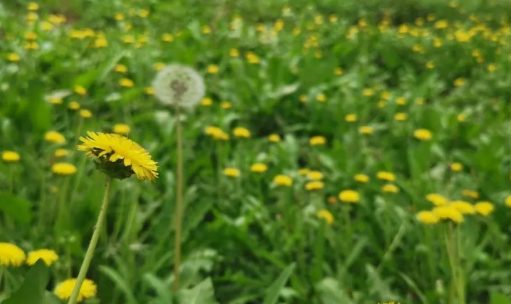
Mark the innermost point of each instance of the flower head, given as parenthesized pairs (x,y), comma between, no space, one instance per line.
(121,129)
(463,207)
(350,117)
(508,201)
(437,199)
(283,180)
(361,178)
(258,168)
(179,84)
(317,141)
(314,175)
(367,130)
(484,208)
(119,156)
(48,256)
(314,185)
(85,113)
(390,188)
(59,153)
(427,217)
(470,193)
(64,289)
(10,157)
(448,212)
(326,216)
(349,196)
(241,132)
(54,137)
(386,176)
(456,167)
(63,169)
(231,172)
(422,134)
(274,138)
(11,255)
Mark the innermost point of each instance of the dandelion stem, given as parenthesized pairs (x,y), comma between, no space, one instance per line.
(92,245)
(179,199)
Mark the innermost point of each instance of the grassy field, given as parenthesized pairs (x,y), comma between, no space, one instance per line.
(344,152)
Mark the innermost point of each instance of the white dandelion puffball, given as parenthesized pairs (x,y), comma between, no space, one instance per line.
(179,84)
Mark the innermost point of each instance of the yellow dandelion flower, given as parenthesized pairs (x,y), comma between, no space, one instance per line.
(206,102)
(484,208)
(121,68)
(119,16)
(55,100)
(350,118)
(463,207)
(321,97)
(64,289)
(317,141)
(167,37)
(302,98)
(54,137)
(59,153)
(401,101)
(241,132)
(349,196)
(48,256)
(437,199)
(126,83)
(458,82)
(303,171)
(390,188)
(456,167)
(234,53)
(225,105)
(149,90)
(80,90)
(259,168)
(73,105)
(274,138)
(119,156)
(386,176)
(11,255)
(470,193)
(461,117)
(13,57)
(400,116)
(368,92)
(63,169)
(361,178)
(158,66)
(338,71)
(448,213)
(10,157)
(326,216)
(366,130)
(32,6)
(491,68)
(212,69)
(283,180)
(422,134)
(121,129)
(314,175)
(231,172)
(30,36)
(314,185)
(85,113)
(427,217)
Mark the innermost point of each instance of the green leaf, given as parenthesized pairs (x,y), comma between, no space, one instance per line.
(331,292)
(203,293)
(121,283)
(162,290)
(274,291)
(15,207)
(39,112)
(497,298)
(33,288)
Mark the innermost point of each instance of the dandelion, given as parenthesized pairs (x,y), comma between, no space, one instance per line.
(234,53)
(55,100)
(350,118)
(63,169)
(314,185)
(32,6)
(80,90)
(126,83)
(212,69)
(317,141)
(470,193)
(303,171)
(448,213)
(65,289)
(484,208)
(338,71)
(349,196)
(366,130)
(54,137)
(456,167)
(437,199)
(400,116)
(401,101)
(386,176)
(274,138)
(508,201)
(422,134)
(258,168)
(302,98)
(13,57)
(167,37)
(321,97)
(361,178)
(283,180)
(10,157)
(206,102)
(11,255)
(73,105)
(158,66)
(326,216)
(225,105)
(368,92)
(463,207)
(241,132)
(458,82)
(491,68)
(427,217)
(314,175)
(59,153)
(231,172)
(84,113)
(121,129)
(149,90)
(178,84)
(390,188)
(48,256)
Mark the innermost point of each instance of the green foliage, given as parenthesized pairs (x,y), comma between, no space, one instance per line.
(33,288)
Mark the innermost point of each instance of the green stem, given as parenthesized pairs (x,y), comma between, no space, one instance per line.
(454,261)
(179,200)
(92,245)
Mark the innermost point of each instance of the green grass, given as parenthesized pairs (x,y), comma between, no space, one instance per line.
(241,234)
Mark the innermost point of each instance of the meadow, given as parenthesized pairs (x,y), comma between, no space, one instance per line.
(326,152)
